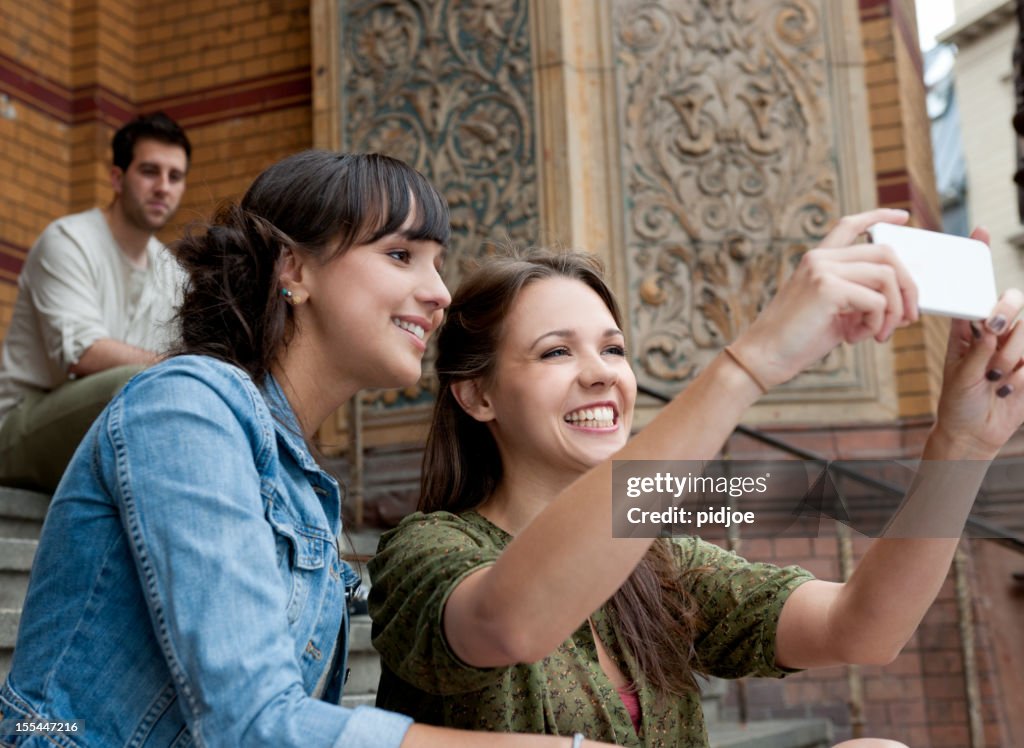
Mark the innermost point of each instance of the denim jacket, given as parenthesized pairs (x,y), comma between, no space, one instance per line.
(187,589)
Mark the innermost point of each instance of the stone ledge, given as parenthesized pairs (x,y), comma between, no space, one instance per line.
(981,21)
(21,504)
(781,733)
(9,619)
(16,554)
(359,635)
(359,699)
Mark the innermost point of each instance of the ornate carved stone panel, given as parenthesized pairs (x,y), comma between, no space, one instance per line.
(447,86)
(730,172)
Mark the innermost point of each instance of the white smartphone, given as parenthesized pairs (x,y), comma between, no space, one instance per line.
(954,275)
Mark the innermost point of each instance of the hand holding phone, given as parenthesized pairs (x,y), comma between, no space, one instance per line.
(954,275)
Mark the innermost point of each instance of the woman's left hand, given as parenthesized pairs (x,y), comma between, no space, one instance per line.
(982,401)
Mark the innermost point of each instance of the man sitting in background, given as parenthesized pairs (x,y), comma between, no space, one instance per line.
(96,299)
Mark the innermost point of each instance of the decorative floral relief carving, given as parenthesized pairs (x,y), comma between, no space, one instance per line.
(729,170)
(447,86)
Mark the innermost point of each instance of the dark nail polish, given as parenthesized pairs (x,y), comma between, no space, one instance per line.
(975,331)
(993,375)
(997,324)
(1005,390)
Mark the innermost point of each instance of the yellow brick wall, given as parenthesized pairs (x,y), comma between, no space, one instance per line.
(34,151)
(39,36)
(35,54)
(905,176)
(223,56)
(188,46)
(235,73)
(102,74)
(226,156)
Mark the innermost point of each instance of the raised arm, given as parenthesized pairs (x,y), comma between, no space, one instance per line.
(871,617)
(565,564)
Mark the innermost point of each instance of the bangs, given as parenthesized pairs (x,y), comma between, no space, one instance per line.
(396,191)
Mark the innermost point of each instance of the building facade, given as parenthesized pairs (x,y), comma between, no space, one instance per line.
(984,35)
(697,147)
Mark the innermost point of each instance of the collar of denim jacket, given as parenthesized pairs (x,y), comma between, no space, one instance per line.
(286,424)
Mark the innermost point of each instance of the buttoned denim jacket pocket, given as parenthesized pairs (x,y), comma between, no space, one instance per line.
(301,554)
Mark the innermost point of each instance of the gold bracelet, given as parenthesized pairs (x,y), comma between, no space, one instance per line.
(750,372)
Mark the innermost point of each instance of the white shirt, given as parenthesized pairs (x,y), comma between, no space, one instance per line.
(75,288)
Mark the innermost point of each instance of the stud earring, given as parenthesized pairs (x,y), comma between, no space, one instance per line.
(288,295)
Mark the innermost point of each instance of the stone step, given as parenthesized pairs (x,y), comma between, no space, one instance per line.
(16,556)
(22,512)
(363,661)
(360,699)
(712,692)
(359,635)
(775,733)
(8,635)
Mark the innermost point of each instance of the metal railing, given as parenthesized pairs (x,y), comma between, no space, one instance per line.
(1003,535)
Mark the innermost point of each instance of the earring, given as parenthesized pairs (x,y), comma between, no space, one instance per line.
(288,295)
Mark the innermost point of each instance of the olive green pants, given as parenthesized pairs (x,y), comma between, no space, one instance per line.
(38,437)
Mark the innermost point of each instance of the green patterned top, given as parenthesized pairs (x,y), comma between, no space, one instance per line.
(420,562)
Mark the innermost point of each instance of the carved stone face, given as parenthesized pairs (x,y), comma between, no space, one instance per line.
(562,396)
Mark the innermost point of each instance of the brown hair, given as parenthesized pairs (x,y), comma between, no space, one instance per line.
(320,203)
(157,126)
(655,615)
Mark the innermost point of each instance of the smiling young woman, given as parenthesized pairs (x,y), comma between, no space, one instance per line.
(506,604)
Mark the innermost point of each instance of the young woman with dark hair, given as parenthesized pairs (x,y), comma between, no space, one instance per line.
(508,605)
(188,587)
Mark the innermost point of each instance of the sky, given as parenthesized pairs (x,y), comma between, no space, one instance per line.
(933,16)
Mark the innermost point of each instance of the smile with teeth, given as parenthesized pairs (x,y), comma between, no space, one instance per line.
(600,417)
(412,327)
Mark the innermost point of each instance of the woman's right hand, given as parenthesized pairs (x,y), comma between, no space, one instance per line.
(840,292)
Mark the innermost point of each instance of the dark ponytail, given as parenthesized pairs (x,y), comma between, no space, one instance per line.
(232,308)
(318,203)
